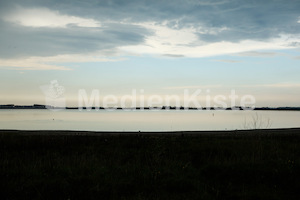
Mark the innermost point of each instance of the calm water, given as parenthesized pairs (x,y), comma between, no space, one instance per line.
(143,120)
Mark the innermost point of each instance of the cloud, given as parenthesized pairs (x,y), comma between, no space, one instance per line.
(173,55)
(192,87)
(29,64)
(50,62)
(294,44)
(282,85)
(43,17)
(297,57)
(274,85)
(228,61)
(32,28)
(257,54)
(194,48)
(206,3)
(20,41)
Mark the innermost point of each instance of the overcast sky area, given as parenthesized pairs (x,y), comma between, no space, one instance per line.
(161,47)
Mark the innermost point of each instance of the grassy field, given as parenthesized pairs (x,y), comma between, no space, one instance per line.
(229,165)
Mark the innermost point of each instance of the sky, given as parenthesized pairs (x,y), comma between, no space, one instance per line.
(154,47)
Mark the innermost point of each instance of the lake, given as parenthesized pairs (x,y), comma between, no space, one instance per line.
(159,120)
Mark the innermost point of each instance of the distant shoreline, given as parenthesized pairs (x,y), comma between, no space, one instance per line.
(37,106)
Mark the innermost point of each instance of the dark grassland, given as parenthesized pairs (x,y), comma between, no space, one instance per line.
(232,165)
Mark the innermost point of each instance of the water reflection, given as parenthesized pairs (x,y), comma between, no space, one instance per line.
(144,120)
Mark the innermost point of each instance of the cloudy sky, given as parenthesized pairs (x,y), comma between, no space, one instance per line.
(161,47)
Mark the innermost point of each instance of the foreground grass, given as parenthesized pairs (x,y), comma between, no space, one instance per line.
(236,166)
